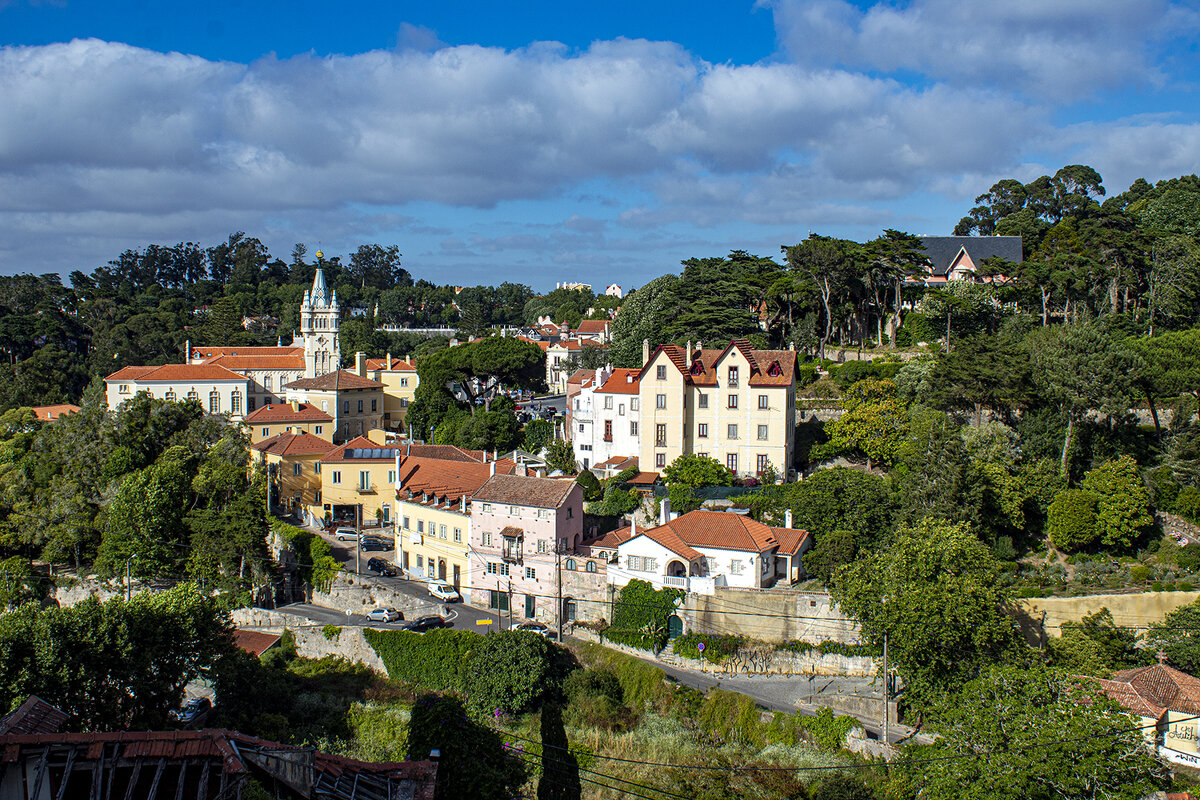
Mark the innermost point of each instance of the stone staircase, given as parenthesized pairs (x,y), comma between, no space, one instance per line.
(668,656)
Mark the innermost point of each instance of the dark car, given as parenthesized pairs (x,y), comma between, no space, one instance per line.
(422,624)
(382,567)
(375,544)
(194,711)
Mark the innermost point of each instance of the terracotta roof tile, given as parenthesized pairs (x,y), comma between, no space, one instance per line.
(284,412)
(790,540)
(519,490)
(397,365)
(612,539)
(181,373)
(55,411)
(581,375)
(721,530)
(334,381)
(445,452)
(592,326)
(216,352)
(252,362)
(442,478)
(622,381)
(255,642)
(360,449)
(129,373)
(294,444)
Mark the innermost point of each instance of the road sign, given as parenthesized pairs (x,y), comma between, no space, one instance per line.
(700,646)
(484,621)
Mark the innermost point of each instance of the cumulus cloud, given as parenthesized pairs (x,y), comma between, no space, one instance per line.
(1063,50)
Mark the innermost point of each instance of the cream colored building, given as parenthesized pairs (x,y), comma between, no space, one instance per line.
(217,389)
(737,405)
(268,421)
(434,520)
(358,482)
(354,401)
(292,471)
(399,379)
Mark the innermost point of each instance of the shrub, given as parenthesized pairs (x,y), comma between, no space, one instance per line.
(828,731)
(1186,586)
(641,684)
(331,632)
(433,660)
(1157,586)
(730,716)
(640,615)
(635,639)
(595,699)
(717,648)
(806,375)
(1071,520)
(1139,574)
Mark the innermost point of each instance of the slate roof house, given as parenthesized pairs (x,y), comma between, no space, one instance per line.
(961,257)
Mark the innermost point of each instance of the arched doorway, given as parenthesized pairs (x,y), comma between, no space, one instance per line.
(568,609)
(677,569)
(674,627)
(441,569)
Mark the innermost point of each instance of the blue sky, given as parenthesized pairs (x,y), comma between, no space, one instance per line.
(541,142)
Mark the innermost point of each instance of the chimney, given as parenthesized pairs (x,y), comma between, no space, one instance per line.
(787,518)
(687,358)
(399,477)
(360,364)
(632,527)
(463,507)
(295,405)
(388,364)
(664,511)
(410,359)
(645,351)
(491,468)
(791,345)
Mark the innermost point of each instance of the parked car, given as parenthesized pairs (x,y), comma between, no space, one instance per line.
(535,627)
(444,592)
(384,614)
(346,535)
(194,710)
(422,624)
(375,544)
(382,567)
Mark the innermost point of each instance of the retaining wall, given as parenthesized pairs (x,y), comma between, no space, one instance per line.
(359,594)
(769,615)
(1135,610)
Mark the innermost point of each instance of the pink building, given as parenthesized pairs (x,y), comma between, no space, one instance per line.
(524,531)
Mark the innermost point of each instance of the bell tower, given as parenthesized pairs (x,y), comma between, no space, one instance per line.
(319,328)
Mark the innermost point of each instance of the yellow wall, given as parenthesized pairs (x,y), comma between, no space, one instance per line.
(398,392)
(306,484)
(1133,610)
(423,538)
(674,416)
(267,430)
(382,490)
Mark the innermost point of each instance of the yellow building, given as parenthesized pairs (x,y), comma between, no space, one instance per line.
(292,471)
(737,405)
(433,516)
(271,420)
(353,400)
(399,379)
(358,484)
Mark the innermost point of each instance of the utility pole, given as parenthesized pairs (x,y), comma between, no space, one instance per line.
(358,539)
(885,691)
(559,546)
(510,625)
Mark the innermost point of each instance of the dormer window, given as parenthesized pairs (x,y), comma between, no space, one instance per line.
(697,368)
(774,370)
(733,377)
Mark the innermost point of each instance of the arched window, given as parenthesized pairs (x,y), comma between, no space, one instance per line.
(591,566)
(235,402)
(570,563)
(214,402)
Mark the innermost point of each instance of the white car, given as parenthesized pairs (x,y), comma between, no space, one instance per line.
(347,535)
(444,592)
(384,614)
(535,627)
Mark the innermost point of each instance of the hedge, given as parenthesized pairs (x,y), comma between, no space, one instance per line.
(432,660)
(828,648)
(717,648)
(635,639)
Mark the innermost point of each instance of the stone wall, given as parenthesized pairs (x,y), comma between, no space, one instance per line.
(1135,610)
(359,594)
(348,643)
(770,615)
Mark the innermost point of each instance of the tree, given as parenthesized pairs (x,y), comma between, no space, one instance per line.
(1071,520)
(145,521)
(1178,637)
(834,267)
(872,422)
(1122,502)
(561,457)
(697,471)
(643,316)
(829,500)
(831,552)
(1096,645)
(538,434)
(936,590)
(1036,734)
(112,665)
(473,759)
(510,672)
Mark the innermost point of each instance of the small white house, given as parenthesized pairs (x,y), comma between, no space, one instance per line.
(702,550)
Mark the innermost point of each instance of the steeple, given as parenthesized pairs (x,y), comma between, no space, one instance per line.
(319,328)
(319,292)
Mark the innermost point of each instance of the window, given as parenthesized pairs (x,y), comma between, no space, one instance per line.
(633,429)
(486,539)
(429,564)
(733,401)
(570,564)
(502,568)
(608,430)
(660,435)
(543,513)
(660,401)
(373,402)
(633,563)
(441,531)
(735,567)
(214,402)
(702,400)
(266,432)
(762,433)
(324,405)
(487,508)
(403,383)
(421,562)
(235,402)
(543,546)
(345,406)
(387,513)
(267,383)
(762,461)
(634,403)
(250,403)
(124,388)
(570,512)
(514,511)
(621,410)
(317,496)
(360,402)
(296,469)
(702,455)
(733,378)
(608,402)
(731,462)
(763,402)
(317,468)
(364,480)
(590,567)
(702,430)
(406,523)
(650,564)
(660,460)
(661,372)
(710,566)
(530,573)
(458,534)
(731,431)
(391,476)
(170,395)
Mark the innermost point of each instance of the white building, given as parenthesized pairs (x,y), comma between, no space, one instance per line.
(615,290)
(702,550)
(605,418)
(217,389)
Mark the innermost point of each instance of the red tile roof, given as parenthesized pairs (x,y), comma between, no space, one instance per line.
(790,540)
(591,326)
(179,373)
(767,367)
(55,411)
(216,352)
(618,463)
(443,478)
(519,490)
(252,362)
(255,642)
(334,381)
(612,539)
(622,381)
(581,376)
(294,444)
(360,449)
(445,452)
(285,412)
(721,530)
(645,478)
(397,365)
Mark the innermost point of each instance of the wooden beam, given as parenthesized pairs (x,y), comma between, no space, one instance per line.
(66,776)
(179,783)
(158,773)
(202,792)
(133,779)
(112,771)
(41,773)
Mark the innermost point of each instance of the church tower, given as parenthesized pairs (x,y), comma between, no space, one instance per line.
(319,328)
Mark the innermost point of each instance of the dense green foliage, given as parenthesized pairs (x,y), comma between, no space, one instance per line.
(640,615)
(473,759)
(112,665)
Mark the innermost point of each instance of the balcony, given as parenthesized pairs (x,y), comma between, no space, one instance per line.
(511,551)
(607,437)
(660,442)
